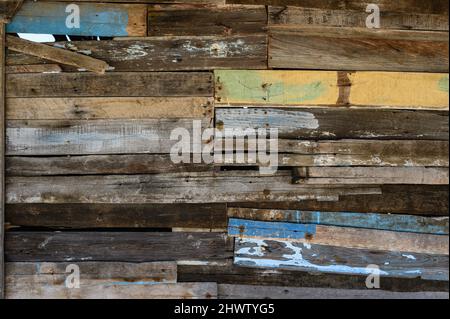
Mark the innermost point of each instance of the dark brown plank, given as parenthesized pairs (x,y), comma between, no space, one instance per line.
(2,154)
(8,9)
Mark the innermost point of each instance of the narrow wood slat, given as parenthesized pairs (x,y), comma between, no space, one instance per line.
(2,155)
(33,68)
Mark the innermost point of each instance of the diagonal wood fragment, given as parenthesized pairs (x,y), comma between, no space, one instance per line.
(8,8)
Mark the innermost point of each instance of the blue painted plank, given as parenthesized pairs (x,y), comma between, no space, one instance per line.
(108,20)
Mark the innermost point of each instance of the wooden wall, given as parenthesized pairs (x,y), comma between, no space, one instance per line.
(362,119)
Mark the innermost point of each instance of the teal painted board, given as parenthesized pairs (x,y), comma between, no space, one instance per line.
(82,19)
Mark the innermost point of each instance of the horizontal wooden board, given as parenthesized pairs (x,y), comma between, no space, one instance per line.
(399,223)
(96,137)
(110,84)
(90,108)
(195,20)
(80,216)
(387,89)
(33,68)
(333,123)
(330,48)
(195,187)
(330,259)
(311,234)
(95,19)
(356,18)
(115,246)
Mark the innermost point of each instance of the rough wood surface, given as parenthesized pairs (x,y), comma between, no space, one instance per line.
(115,246)
(8,8)
(110,84)
(329,48)
(34,68)
(2,154)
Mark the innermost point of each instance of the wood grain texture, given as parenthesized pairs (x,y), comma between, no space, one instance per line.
(110,84)
(333,123)
(2,155)
(34,68)
(96,19)
(90,108)
(336,17)
(92,216)
(331,259)
(8,9)
(330,48)
(325,88)
(115,246)
(195,187)
(195,20)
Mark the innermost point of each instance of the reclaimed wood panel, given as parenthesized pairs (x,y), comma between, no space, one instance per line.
(34,68)
(195,20)
(333,123)
(82,216)
(329,48)
(90,108)
(330,259)
(195,187)
(311,234)
(115,246)
(387,89)
(95,19)
(336,17)
(2,154)
(400,223)
(110,84)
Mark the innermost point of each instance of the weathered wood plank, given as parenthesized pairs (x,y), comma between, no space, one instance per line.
(96,137)
(57,55)
(195,187)
(348,237)
(115,246)
(2,155)
(34,68)
(333,123)
(400,223)
(356,18)
(81,216)
(98,19)
(330,259)
(195,20)
(8,9)
(387,89)
(280,292)
(110,84)
(90,108)
(330,48)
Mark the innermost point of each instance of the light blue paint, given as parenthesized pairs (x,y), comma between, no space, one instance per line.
(50,18)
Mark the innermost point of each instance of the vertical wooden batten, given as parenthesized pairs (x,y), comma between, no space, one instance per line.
(2,152)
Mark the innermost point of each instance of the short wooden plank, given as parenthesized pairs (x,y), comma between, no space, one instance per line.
(333,123)
(405,20)
(34,68)
(2,155)
(97,137)
(95,19)
(282,292)
(115,246)
(387,89)
(194,20)
(330,259)
(306,47)
(90,108)
(110,84)
(57,55)
(340,236)
(399,223)
(195,187)
(82,216)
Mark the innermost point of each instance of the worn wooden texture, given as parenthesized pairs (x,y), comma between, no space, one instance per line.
(34,68)
(279,292)
(110,84)
(195,187)
(81,216)
(333,123)
(8,9)
(331,259)
(312,234)
(96,137)
(399,223)
(2,155)
(97,19)
(57,55)
(116,246)
(322,88)
(195,20)
(292,15)
(425,200)
(330,48)
(90,108)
